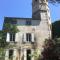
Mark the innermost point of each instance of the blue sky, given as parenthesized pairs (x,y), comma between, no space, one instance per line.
(23,8)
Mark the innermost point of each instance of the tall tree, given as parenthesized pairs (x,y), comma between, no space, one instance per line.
(10,28)
(56,29)
(51,50)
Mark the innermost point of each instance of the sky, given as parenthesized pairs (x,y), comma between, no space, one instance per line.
(23,8)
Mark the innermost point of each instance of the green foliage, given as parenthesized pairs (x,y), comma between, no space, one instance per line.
(57,45)
(56,29)
(52,46)
(3,44)
(2,39)
(51,49)
(10,28)
(2,54)
(36,54)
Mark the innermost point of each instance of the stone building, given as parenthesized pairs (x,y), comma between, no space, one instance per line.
(32,32)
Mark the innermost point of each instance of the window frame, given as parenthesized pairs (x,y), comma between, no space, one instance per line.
(12,37)
(28,37)
(28,22)
(31,38)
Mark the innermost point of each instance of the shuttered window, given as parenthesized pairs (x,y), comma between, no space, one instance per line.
(28,37)
(12,37)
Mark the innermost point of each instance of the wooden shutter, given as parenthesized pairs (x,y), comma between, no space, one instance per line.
(25,54)
(24,37)
(8,37)
(7,55)
(32,37)
(16,37)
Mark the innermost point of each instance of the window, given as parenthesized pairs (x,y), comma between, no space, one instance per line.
(11,54)
(28,22)
(28,53)
(28,37)
(36,0)
(12,37)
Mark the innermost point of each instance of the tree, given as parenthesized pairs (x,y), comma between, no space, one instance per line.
(52,46)
(2,39)
(56,29)
(51,50)
(3,44)
(10,28)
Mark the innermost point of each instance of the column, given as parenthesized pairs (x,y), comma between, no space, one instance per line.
(7,55)
(32,53)
(15,54)
(25,53)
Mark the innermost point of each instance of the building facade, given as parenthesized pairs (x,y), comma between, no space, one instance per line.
(32,32)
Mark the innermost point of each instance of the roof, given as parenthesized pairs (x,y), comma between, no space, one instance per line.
(15,18)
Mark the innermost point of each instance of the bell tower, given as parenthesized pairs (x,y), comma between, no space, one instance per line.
(39,9)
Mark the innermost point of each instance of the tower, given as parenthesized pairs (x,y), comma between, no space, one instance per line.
(39,9)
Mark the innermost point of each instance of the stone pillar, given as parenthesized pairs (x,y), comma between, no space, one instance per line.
(7,55)
(32,52)
(15,54)
(19,54)
(25,53)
